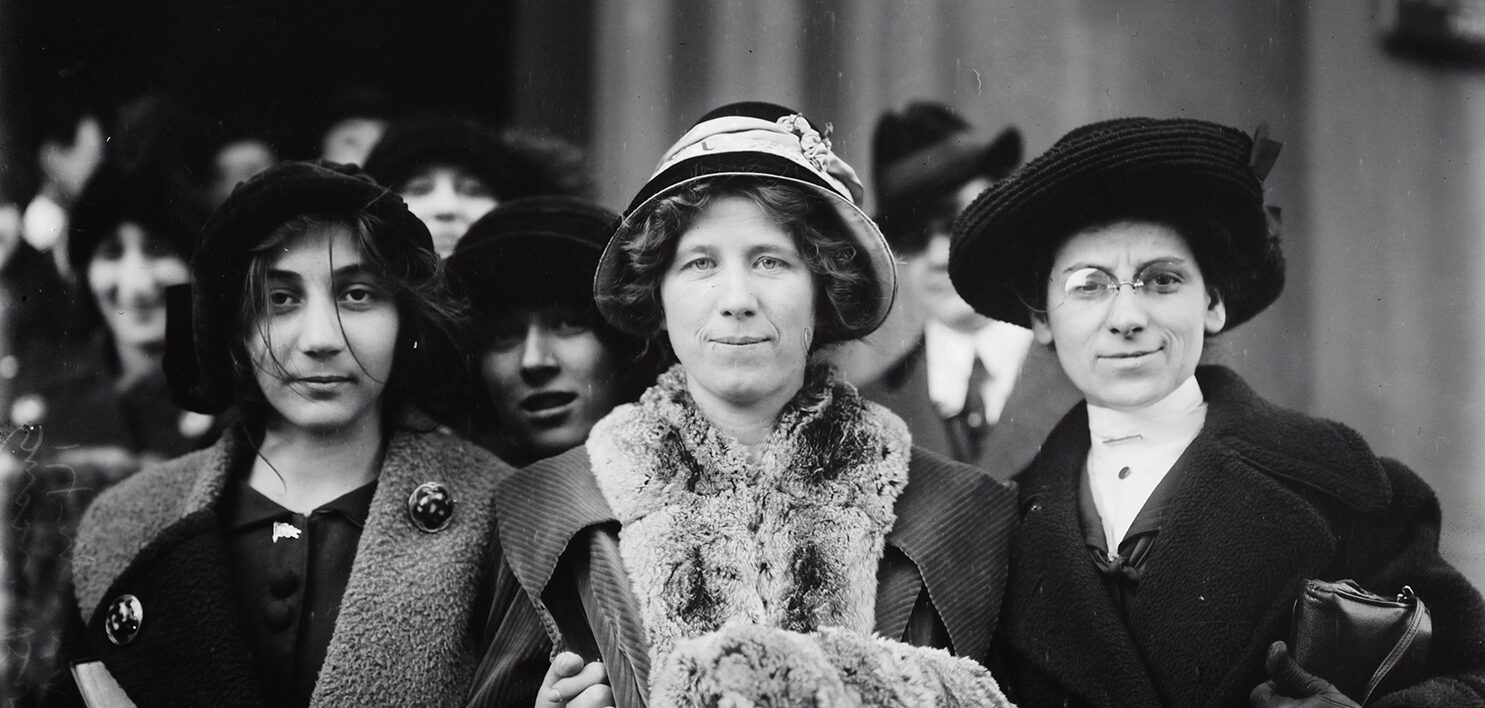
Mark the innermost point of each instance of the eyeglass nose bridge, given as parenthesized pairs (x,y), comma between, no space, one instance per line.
(1135,286)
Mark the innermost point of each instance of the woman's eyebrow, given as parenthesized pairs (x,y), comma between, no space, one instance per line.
(349,270)
(284,275)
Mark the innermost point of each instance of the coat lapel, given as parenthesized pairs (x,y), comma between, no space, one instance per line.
(952,522)
(553,512)
(403,635)
(1058,614)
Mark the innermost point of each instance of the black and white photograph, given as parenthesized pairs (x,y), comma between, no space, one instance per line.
(729,353)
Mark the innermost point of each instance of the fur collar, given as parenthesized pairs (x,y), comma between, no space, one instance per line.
(792,540)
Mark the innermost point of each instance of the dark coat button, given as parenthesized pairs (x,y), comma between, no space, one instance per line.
(125,617)
(430,507)
(277,614)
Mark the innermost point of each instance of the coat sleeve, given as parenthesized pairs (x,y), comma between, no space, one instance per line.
(1400,546)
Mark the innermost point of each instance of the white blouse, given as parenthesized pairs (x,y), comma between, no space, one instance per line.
(1132,451)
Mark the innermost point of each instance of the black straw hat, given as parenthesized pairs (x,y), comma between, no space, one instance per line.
(1177,169)
(926,150)
(760,140)
(224,253)
(532,249)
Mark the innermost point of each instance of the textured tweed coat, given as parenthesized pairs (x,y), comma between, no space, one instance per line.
(938,581)
(1269,498)
(1041,396)
(408,628)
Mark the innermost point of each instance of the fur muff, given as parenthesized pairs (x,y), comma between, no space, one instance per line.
(754,665)
(791,539)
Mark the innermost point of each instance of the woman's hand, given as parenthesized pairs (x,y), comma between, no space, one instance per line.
(1290,686)
(571,683)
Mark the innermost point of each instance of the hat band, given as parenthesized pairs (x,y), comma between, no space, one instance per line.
(796,142)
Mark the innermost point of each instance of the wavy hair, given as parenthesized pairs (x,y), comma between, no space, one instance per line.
(841,271)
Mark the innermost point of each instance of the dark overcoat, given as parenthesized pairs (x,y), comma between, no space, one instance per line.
(563,584)
(408,626)
(1041,396)
(1268,498)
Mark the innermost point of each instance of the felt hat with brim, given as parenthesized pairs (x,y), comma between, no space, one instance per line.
(926,151)
(1176,169)
(532,250)
(224,253)
(762,141)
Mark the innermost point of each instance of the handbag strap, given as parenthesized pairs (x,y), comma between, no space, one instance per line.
(1415,622)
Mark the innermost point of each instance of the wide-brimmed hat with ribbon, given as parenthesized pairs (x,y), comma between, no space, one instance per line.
(1180,169)
(765,141)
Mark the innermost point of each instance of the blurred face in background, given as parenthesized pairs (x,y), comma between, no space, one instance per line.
(237,162)
(549,376)
(926,275)
(351,140)
(448,199)
(127,274)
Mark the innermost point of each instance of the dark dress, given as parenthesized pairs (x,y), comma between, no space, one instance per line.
(1265,498)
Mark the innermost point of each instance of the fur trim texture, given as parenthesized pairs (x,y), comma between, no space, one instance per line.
(791,539)
(754,665)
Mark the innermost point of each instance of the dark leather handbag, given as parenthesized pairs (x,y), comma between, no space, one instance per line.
(1359,640)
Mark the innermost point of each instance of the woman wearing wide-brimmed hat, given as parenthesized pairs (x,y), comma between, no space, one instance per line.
(1170,523)
(751,530)
(329,549)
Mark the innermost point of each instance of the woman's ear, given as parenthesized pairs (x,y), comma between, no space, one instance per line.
(1216,312)
(1040,328)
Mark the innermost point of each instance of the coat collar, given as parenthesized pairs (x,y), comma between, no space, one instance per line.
(541,508)
(1238,539)
(952,522)
(1321,455)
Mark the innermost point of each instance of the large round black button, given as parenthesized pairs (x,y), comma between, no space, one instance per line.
(125,617)
(430,507)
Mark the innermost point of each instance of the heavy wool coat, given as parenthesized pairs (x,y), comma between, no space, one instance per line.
(1269,498)
(408,627)
(937,582)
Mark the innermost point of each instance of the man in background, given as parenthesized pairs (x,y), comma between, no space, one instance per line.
(969,387)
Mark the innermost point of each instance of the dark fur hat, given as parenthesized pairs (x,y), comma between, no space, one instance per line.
(537,248)
(169,211)
(1179,171)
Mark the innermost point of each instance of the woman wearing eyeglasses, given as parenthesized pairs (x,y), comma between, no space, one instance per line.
(1169,523)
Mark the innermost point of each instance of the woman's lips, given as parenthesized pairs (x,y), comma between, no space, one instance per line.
(324,385)
(548,404)
(739,341)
